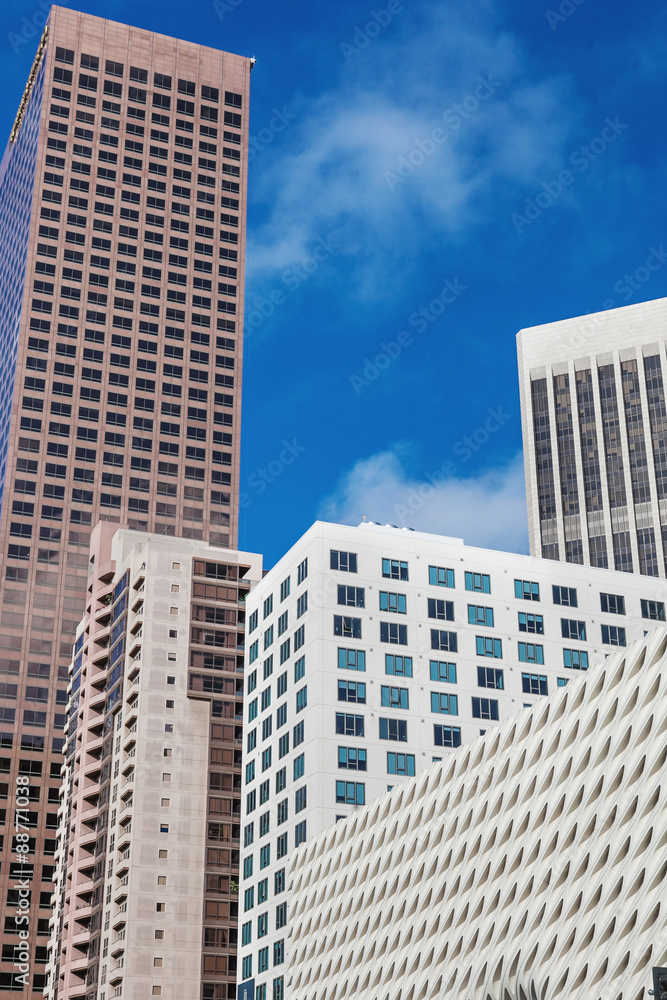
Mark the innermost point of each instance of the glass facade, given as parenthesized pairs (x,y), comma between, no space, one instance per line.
(17,185)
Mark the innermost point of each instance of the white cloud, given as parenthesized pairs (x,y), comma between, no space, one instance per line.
(329,172)
(488,509)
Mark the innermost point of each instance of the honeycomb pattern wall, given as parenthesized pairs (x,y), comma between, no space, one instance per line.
(529,865)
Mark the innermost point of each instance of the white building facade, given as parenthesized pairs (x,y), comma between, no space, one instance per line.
(594,421)
(374,651)
(528,866)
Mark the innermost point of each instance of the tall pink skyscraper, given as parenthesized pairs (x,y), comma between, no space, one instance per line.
(122,225)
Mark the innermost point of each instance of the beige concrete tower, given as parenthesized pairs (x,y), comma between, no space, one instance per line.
(147,852)
(122,218)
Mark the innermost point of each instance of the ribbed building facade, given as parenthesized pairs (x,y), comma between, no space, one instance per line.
(529,865)
(122,218)
(595,438)
(147,854)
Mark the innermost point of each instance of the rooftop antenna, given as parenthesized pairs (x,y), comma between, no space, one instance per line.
(363,517)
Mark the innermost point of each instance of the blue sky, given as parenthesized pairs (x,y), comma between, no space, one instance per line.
(407,203)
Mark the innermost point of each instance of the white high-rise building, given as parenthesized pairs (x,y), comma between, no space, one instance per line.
(595,438)
(530,865)
(372,652)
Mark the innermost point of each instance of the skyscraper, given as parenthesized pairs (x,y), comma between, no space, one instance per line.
(146,892)
(122,195)
(595,438)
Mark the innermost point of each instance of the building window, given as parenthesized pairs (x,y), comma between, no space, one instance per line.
(444,704)
(446,641)
(613,604)
(248,899)
(394,633)
(302,571)
(442,671)
(299,668)
(394,697)
(266,759)
(281,686)
(252,681)
(283,620)
(268,666)
(247,967)
(281,846)
(575,659)
(278,887)
(353,793)
(284,651)
(478,615)
(279,951)
(262,925)
(285,589)
(393,602)
(282,811)
(486,646)
(393,569)
(251,801)
(490,677)
(298,734)
(531,623)
(300,798)
(264,823)
(299,766)
(344,561)
(299,833)
(301,699)
(283,746)
(265,856)
(349,725)
(446,736)
(302,604)
(250,772)
(562,681)
(399,666)
(268,637)
(351,659)
(349,628)
(440,576)
(281,909)
(252,621)
(573,629)
(246,933)
(401,763)
(530,652)
(394,729)
(534,684)
(613,635)
(526,590)
(248,834)
(262,957)
(281,779)
(480,583)
(354,691)
(441,610)
(653,610)
(485,708)
(266,698)
(351,758)
(268,606)
(351,597)
(565,596)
